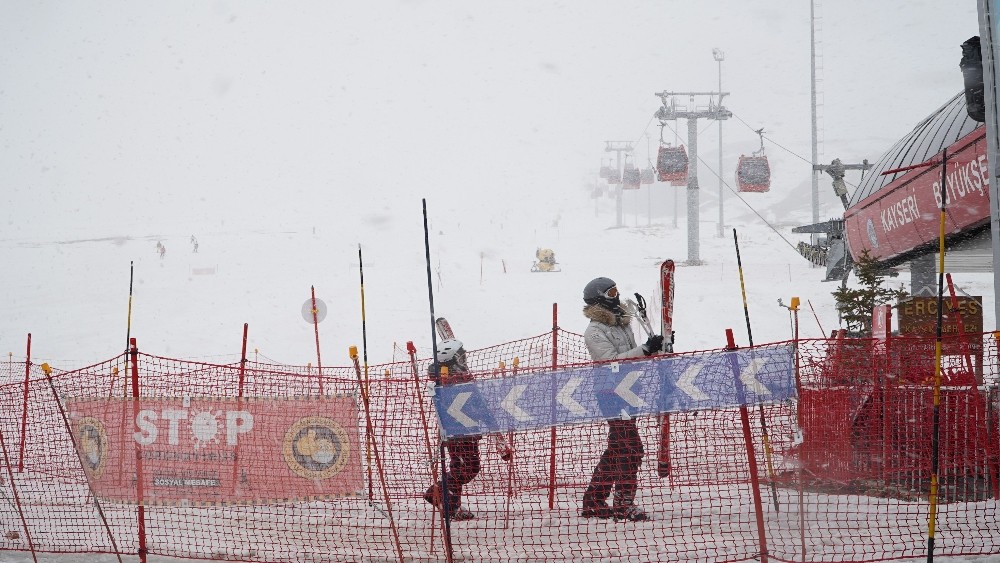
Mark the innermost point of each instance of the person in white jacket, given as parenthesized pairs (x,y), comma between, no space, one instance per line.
(609,336)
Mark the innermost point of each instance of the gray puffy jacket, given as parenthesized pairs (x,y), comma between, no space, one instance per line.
(609,336)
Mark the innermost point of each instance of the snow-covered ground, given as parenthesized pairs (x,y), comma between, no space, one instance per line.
(285,139)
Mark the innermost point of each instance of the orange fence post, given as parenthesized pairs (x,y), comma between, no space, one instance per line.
(141,512)
(24,408)
(370,431)
(419,396)
(751,455)
(552,431)
(315,314)
(239,403)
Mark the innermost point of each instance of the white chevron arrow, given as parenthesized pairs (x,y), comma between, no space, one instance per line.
(565,396)
(509,403)
(455,410)
(686,383)
(624,389)
(749,377)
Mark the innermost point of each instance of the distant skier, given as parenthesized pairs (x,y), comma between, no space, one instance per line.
(609,337)
(162,250)
(464,451)
(194,244)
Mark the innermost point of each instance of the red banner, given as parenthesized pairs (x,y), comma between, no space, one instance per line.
(906,214)
(207,450)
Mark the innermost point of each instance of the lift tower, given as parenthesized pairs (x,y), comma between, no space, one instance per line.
(618,147)
(670,110)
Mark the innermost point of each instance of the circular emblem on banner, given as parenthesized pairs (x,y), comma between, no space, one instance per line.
(316,447)
(307,310)
(871,234)
(92,441)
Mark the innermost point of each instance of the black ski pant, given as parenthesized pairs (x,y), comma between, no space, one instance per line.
(463,466)
(618,467)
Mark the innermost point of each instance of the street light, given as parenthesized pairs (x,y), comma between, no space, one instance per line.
(720,56)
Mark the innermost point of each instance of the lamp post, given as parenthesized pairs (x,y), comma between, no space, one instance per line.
(720,56)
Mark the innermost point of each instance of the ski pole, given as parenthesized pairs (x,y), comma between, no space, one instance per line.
(936,427)
(638,308)
(760,406)
(444,473)
(128,323)
(366,389)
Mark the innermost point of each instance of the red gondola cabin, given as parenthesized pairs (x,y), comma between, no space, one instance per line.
(631,179)
(672,165)
(753,174)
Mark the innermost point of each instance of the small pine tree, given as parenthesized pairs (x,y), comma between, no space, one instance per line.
(856,304)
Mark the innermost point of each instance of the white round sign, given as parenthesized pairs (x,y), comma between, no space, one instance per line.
(307,310)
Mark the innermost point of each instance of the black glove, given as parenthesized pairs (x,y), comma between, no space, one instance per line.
(652,345)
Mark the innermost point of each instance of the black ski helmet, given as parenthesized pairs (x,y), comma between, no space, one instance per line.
(594,294)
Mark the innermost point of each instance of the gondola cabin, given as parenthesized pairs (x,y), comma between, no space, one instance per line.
(753,174)
(672,165)
(647,176)
(607,172)
(631,179)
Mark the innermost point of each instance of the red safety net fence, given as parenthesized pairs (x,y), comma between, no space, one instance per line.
(254,461)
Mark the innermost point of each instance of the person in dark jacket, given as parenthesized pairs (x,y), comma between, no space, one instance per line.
(463,452)
(609,336)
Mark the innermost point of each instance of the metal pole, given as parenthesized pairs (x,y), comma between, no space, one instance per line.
(992,137)
(692,192)
(719,56)
(618,184)
(675,207)
(815,132)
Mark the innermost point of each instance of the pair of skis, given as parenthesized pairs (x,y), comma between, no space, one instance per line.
(445,332)
(667,269)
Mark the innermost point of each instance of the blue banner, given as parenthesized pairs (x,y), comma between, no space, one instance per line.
(617,390)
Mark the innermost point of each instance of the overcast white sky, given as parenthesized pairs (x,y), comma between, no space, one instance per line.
(124,118)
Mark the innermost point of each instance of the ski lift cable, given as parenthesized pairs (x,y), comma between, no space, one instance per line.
(729,187)
(717,174)
(746,203)
(772,141)
(789,151)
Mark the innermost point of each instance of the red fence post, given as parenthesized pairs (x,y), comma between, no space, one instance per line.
(885,349)
(239,405)
(141,511)
(315,312)
(751,455)
(24,408)
(552,431)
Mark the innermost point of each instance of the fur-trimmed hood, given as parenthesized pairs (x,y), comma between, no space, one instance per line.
(604,316)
